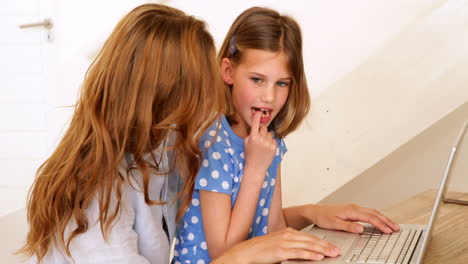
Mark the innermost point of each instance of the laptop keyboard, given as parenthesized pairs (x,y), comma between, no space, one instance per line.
(373,246)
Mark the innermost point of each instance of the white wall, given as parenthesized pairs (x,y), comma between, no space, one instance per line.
(416,78)
(339,37)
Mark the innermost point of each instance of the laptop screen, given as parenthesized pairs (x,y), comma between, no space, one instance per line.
(442,190)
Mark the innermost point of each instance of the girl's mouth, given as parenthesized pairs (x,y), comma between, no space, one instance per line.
(265,112)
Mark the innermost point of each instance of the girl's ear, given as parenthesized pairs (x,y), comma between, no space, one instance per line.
(227,71)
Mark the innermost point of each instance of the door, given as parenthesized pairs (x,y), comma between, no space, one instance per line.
(23,101)
(41,71)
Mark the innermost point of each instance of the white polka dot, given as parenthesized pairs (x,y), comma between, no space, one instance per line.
(185,225)
(214,190)
(207,144)
(176,241)
(273,181)
(225,133)
(277,152)
(219,139)
(200,261)
(258,220)
(233,190)
(184,251)
(176,253)
(265,211)
(191,236)
(236,179)
(203,245)
(231,150)
(216,155)
(203,182)
(262,202)
(264,229)
(268,174)
(228,142)
(225,185)
(225,167)
(195,202)
(250,230)
(206,163)
(242,155)
(264,184)
(187,261)
(194,219)
(240,166)
(212,133)
(215,174)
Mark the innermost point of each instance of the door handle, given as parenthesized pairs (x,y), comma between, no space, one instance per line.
(47,24)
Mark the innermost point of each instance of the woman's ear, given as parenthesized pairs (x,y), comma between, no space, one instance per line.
(227,71)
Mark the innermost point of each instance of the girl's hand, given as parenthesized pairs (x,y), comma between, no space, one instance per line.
(279,246)
(260,148)
(342,217)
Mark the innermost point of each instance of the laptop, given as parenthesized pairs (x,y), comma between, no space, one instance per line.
(406,246)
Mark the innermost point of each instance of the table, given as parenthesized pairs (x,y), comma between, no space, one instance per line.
(449,240)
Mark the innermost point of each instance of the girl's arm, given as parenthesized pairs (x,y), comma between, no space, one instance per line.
(276,220)
(276,247)
(225,226)
(339,217)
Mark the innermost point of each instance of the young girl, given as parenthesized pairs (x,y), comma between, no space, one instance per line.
(238,188)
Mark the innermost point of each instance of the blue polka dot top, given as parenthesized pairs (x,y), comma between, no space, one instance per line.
(221,171)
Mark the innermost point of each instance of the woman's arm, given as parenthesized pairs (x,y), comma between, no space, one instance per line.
(122,242)
(276,220)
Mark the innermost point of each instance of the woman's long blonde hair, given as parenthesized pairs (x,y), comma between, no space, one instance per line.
(156,74)
(265,29)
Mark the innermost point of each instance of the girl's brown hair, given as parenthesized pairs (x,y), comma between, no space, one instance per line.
(155,76)
(265,29)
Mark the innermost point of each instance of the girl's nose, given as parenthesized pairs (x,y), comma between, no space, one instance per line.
(268,95)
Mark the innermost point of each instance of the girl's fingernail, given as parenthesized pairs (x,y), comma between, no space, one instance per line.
(337,251)
(359,229)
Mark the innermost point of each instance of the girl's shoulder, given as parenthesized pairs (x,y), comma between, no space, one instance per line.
(221,136)
(281,149)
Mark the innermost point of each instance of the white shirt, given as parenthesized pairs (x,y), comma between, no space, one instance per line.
(137,236)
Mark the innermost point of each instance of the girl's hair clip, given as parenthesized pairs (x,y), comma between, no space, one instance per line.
(233,46)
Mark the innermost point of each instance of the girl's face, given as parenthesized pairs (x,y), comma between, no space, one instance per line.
(260,82)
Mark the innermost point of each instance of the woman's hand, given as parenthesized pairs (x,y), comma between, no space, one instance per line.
(260,148)
(278,246)
(342,217)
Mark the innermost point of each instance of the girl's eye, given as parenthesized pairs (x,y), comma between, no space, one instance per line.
(282,84)
(256,80)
